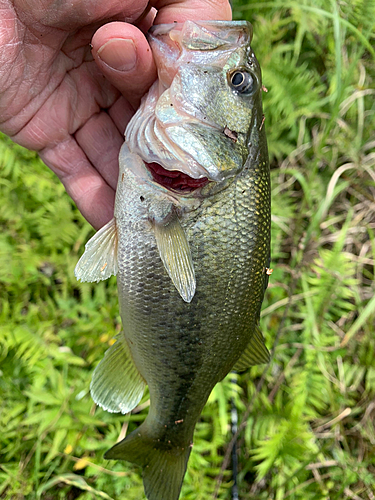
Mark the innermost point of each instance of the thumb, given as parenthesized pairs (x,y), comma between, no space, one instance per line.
(124,56)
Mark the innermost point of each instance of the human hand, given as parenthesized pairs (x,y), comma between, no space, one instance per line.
(68,102)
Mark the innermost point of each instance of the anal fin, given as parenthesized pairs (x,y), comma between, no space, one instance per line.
(99,260)
(117,385)
(255,353)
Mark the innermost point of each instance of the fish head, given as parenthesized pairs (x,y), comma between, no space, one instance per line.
(197,118)
(211,69)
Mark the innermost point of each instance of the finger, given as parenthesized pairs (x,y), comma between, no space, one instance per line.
(101,141)
(124,57)
(170,11)
(146,20)
(121,112)
(77,13)
(93,196)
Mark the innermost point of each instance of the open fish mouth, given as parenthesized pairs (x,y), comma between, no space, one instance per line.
(175,180)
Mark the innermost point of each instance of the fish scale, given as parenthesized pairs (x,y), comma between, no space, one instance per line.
(191,267)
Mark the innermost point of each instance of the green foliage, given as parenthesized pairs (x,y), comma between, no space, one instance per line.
(310,433)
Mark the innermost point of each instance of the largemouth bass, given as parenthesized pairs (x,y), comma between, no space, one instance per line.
(189,243)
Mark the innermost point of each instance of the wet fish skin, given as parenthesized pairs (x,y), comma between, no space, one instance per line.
(190,266)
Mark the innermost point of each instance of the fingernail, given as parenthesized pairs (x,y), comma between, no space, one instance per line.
(119,54)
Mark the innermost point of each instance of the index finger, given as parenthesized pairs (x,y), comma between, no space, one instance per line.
(170,11)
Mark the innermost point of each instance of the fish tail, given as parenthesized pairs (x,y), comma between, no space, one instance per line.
(164,467)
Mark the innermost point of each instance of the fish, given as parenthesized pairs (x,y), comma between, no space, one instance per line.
(189,243)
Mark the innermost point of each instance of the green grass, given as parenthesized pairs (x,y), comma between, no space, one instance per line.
(308,429)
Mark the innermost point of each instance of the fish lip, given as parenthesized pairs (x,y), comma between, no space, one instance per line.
(134,163)
(209,189)
(165,28)
(213,178)
(213,174)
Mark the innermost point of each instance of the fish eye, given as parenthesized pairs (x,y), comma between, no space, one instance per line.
(242,81)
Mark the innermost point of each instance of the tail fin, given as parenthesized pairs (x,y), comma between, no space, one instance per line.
(164,467)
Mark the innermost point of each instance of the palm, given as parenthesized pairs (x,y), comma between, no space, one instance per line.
(59,105)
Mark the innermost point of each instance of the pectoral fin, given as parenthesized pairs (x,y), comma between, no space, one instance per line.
(255,353)
(117,385)
(175,253)
(99,260)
